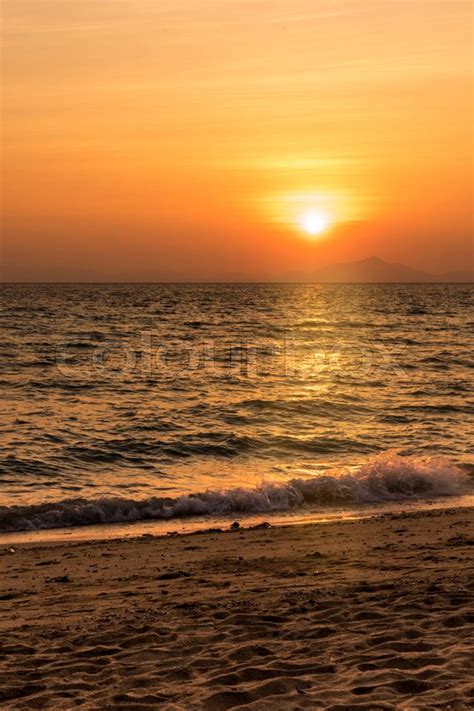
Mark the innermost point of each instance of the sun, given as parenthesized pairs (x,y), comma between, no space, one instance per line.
(313,222)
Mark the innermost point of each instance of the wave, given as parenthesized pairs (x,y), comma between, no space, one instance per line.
(386,477)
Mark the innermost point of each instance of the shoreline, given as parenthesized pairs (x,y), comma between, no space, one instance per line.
(387,479)
(191,524)
(370,613)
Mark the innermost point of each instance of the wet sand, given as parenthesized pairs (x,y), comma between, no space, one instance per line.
(370,614)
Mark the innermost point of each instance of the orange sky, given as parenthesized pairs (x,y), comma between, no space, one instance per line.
(184,139)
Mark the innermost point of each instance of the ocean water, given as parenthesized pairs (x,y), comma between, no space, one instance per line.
(127,402)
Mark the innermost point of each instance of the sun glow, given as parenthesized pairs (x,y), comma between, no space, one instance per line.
(313,214)
(313,222)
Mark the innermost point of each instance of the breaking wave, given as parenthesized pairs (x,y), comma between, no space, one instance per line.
(387,477)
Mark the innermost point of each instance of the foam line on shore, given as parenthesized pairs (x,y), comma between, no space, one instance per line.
(384,478)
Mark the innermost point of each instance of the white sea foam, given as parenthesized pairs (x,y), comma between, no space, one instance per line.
(387,477)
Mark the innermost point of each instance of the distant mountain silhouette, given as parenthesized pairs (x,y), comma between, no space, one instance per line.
(375,270)
(369,270)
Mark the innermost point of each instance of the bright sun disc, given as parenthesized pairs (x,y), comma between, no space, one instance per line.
(314,222)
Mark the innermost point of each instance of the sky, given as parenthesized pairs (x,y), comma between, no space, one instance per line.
(234,139)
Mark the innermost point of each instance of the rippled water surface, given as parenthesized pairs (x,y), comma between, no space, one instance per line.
(138,391)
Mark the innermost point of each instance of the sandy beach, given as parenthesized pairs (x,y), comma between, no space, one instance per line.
(372,614)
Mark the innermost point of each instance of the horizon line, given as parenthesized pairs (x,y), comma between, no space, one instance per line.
(201,282)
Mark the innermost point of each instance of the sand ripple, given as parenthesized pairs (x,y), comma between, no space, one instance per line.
(369,615)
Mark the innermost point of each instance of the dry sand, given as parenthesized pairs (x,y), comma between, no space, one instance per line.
(373,614)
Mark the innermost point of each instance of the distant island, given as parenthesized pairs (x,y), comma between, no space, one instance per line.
(370,270)
(376,270)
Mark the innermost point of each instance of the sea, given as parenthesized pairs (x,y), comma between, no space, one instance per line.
(202,402)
